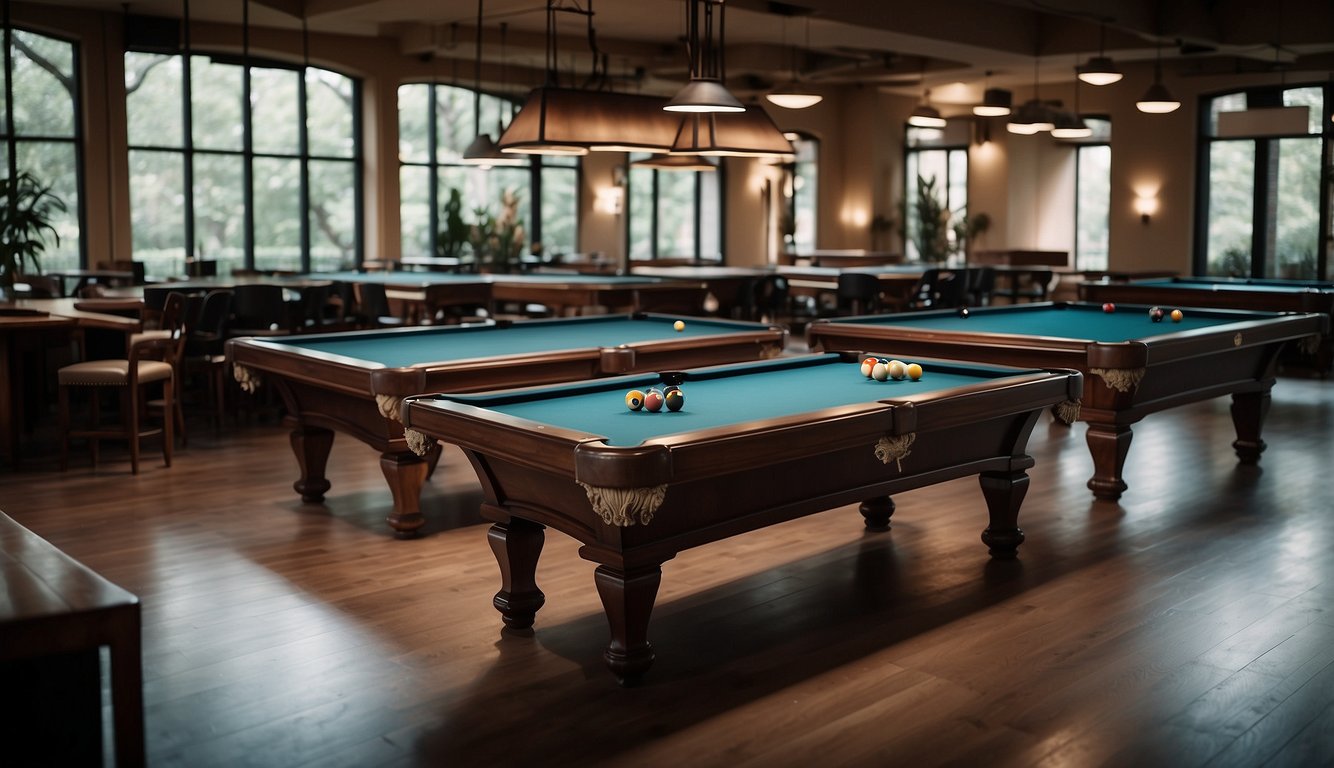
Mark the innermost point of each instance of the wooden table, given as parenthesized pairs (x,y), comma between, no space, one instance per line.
(55,615)
(21,322)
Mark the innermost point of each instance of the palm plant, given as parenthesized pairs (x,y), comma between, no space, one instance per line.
(27,209)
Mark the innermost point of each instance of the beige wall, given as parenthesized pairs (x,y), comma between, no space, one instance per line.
(1021,182)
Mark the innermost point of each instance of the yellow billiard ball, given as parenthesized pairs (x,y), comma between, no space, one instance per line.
(1177,315)
(679,325)
(914,371)
(634,399)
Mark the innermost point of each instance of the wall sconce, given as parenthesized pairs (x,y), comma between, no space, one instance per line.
(1146,206)
(609,200)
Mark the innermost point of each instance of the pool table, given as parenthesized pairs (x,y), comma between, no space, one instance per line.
(754,445)
(1134,365)
(354,382)
(1229,293)
(574,293)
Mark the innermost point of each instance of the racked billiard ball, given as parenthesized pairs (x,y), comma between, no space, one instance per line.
(675,398)
(634,399)
(1109,307)
(914,371)
(1156,315)
(897,369)
(1177,315)
(880,371)
(963,312)
(867,365)
(679,325)
(653,401)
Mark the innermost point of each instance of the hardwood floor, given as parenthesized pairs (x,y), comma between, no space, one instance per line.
(1192,624)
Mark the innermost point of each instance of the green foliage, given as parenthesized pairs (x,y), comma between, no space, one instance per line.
(498,240)
(456,233)
(931,235)
(27,207)
(1235,262)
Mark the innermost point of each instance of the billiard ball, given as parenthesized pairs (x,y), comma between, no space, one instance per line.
(897,369)
(880,371)
(1109,307)
(867,365)
(675,398)
(679,325)
(963,312)
(653,401)
(1177,315)
(914,371)
(1156,315)
(634,399)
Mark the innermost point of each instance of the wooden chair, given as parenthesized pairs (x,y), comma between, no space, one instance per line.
(981,285)
(259,309)
(373,307)
(204,349)
(151,360)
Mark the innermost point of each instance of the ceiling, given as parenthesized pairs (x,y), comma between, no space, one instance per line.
(895,45)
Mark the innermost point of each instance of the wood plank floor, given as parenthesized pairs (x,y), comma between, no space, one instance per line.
(1190,625)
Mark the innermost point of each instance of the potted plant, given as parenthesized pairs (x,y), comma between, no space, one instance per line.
(450,240)
(931,233)
(27,209)
(498,240)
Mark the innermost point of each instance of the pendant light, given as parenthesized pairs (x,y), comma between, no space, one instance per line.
(1034,116)
(925,115)
(1071,125)
(1158,100)
(792,95)
(995,101)
(677,163)
(705,92)
(483,152)
(1100,70)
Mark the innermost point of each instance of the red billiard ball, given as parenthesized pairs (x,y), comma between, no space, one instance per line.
(1109,307)
(653,401)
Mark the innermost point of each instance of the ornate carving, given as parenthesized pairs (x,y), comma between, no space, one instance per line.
(1067,411)
(895,449)
(390,407)
(625,506)
(1236,340)
(1120,379)
(248,379)
(419,443)
(770,351)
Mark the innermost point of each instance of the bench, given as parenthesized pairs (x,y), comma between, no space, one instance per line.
(55,615)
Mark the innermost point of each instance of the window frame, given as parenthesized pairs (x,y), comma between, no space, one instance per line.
(960,145)
(697,258)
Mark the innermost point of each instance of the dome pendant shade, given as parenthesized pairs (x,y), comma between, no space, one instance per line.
(793,96)
(704,96)
(926,116)
(1157,100)
(677,163)
(484,152)
(995,103)
(1100,70)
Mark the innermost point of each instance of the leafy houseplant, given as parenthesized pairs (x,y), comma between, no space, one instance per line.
(27,208)
(497,240)
(931,234)
(456,233)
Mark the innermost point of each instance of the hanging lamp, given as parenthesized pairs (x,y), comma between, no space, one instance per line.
(925,115)
(1100,70)
(482,152)
(1157,100)
(705,92)
(792,95)
(995,101)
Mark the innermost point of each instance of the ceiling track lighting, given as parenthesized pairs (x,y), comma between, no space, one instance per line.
(705,92)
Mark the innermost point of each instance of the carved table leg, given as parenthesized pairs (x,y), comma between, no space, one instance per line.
(406,473)
(1109,444)
(1248,417)
(433,458)
(628,600)
(517,546)
(311,446)
(1004,492)
(877,512)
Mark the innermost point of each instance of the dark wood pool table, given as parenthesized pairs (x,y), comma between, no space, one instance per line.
(354,382)
(1134,366)
(635,488)
(1229,293)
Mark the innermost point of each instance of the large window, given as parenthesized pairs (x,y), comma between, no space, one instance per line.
(250,166)
(1264,184)
(435,126)
(801,192)
(936,162)
(41,134)
(1093,195)
(675,214)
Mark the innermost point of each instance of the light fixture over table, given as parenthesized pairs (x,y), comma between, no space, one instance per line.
(706,91)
